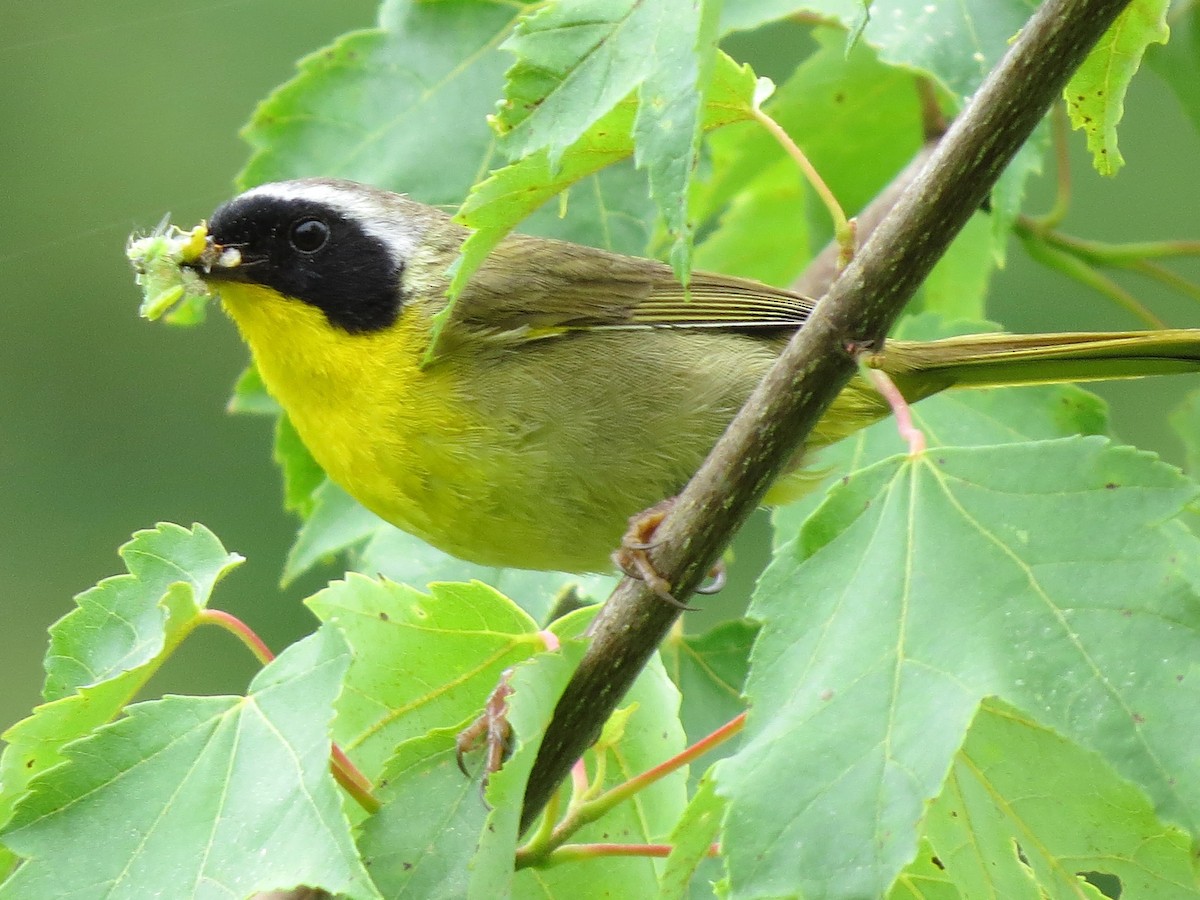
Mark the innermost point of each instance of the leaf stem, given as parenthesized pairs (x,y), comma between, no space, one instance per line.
(1079,257)
(579,783)
(1102,252)
(576,852)
(545,844)
(238,629)
(1166,277)
(909,432)
(1080,269)
(352,780)
(624,791)
(843,229)
(1062,165)
(344,771)
(539,844)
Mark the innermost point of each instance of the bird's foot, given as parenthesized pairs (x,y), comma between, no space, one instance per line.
(633,558)
(491,730)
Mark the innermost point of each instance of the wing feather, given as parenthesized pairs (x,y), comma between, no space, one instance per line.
(533,288)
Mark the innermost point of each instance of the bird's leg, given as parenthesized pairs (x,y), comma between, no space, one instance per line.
(491,730)
(633,559)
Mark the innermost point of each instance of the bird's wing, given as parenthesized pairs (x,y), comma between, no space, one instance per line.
(531,288)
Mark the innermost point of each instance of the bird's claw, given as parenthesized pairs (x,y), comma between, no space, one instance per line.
(633,558)
(491,730)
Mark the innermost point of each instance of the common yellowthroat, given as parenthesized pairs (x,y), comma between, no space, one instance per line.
(571,388)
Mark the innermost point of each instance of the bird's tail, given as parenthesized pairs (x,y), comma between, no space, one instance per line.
(923,368)
(998,360)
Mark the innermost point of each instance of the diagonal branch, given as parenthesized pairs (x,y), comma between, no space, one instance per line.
(858,310)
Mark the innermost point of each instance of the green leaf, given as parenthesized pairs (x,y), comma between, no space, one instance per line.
(403,106)
(670,109)
(105,650)
(764,232)
(125,621)
(336,523)
(421,661)
(250,395)
(536,689)
(435,836)
(1095,94)
(923,585)
(956,43)
(925,878)
(691,839)
(1017,787)
(401,557)
(971,36)
(35,743)
(965,418)
(192,796)
(745,15)
(709,670)
(651,734)
(576,62)
(957,287)
(339,524)
(505,197)
(421,841)
(302,475)
(1185,421)
(1178,61)
(858,122)
(497,203)
(1008,193)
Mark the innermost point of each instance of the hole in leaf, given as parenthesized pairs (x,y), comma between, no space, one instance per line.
(1105,882)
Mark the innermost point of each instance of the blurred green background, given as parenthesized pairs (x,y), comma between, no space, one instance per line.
(112,115)
(116,113)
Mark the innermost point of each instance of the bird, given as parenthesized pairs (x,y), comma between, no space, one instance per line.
(570,388)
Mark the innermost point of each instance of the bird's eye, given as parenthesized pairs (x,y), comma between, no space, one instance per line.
(309,235)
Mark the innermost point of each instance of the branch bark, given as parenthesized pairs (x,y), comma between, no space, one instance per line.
(860,307)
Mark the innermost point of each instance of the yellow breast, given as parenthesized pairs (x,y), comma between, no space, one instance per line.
(397,438)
